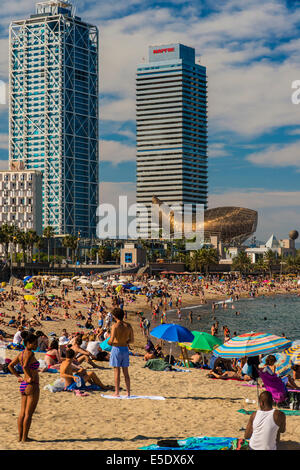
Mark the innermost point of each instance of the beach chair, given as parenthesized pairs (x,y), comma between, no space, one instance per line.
(281,395)
(275,386)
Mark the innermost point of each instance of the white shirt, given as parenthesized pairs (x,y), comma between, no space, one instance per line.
(93,347)
(17,338)
(264,431)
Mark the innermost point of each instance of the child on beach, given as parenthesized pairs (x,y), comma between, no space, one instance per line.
(121,337)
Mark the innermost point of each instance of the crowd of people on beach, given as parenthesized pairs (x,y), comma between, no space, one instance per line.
(101,316)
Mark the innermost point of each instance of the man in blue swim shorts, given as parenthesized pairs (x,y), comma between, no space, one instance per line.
(121,337)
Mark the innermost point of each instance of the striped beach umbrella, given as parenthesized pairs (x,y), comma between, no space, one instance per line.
(293,353)
(251,344)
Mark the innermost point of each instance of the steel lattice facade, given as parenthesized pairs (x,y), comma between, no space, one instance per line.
(54,112)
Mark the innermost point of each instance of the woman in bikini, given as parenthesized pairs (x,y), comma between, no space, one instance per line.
(29,387)
(52,356)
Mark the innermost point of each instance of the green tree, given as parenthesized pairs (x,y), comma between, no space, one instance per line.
(241,263)
(48,233)
(261,266)
(32,239)
(71,242)
(103,253)
(39,245)
(271,260)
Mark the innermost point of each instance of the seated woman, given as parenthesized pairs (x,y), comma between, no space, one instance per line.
(94,348)
(270,364)
(89,325)
(52,357)
(43,341)
(154,353)
(196,359)
(34,321)
(81,354)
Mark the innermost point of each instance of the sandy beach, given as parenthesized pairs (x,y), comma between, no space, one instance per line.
(195,405)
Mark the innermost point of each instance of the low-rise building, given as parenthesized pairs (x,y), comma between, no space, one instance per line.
(21,199)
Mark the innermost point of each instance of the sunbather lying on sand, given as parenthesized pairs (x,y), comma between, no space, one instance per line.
(217,373)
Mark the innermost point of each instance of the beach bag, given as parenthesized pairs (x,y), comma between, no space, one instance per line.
(168,443)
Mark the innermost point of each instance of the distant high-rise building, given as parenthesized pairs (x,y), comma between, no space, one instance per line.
(171,99)
(53,125)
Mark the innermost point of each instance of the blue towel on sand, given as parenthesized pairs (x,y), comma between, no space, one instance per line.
(197,443)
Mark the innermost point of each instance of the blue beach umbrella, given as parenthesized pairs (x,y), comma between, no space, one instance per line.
(172,333)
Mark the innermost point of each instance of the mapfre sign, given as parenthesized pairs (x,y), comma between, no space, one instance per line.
(163,51)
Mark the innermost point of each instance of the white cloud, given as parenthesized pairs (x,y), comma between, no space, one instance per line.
(255,199)
(116,152)
(217,150)
(278,156)
(110,192)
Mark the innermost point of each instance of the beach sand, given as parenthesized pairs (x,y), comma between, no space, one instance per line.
(195,406)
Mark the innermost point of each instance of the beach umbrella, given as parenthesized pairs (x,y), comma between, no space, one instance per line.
(30,298)
(251,344)
(27,278)
(204,341)
(293,352)
(173,333)
(29,285)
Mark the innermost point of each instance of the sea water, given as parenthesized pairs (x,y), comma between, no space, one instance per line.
(272,314)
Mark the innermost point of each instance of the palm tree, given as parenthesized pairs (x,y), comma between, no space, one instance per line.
(102,253)
(23,240)
(270,259)
(210,257)
(71,241)
(48,233)
(261,266)
(291,264)
(32,238)
(7,234)
(39,244)
(241,263)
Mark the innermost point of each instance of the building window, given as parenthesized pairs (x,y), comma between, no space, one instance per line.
(128,257)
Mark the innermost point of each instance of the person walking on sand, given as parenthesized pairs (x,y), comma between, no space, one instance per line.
(121,337)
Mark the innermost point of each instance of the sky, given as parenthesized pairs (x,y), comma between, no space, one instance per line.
(251,49)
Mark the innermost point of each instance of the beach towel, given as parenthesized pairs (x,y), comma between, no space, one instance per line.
(133,397)
(286,412)
(158,365)
(228,378)
(198,443)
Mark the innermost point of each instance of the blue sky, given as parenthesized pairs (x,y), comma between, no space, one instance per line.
(252,52)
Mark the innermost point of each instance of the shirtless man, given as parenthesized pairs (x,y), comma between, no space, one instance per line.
(121,337)
(67,369)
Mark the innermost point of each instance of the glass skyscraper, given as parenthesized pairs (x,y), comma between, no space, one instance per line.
(171,103)
(54,112)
